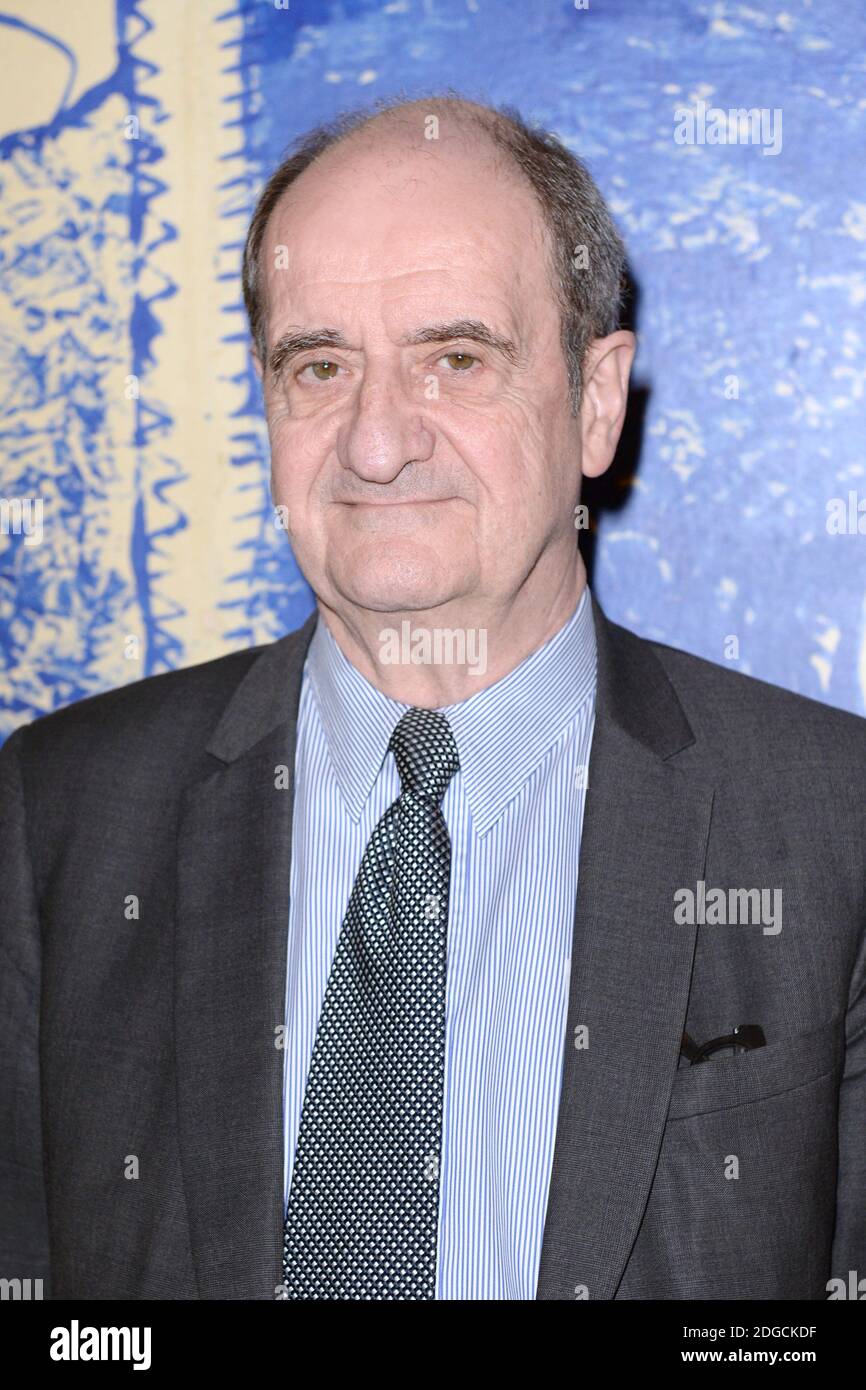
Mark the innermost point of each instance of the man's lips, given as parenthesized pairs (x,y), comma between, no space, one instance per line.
(401,502)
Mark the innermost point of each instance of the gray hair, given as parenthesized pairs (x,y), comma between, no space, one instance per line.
(589,265)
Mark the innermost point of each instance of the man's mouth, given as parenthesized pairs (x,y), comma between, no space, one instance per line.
(401,502)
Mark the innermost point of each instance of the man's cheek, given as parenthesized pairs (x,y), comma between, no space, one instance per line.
(483,433)
(295,445)
(528,422)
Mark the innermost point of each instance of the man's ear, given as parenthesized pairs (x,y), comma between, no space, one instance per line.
(257,362)
(604,396)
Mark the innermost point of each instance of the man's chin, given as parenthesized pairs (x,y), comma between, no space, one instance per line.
(389,597)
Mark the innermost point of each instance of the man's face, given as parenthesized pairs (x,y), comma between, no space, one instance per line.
(416,473)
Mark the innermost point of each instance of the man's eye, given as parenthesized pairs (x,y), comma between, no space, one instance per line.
(322,371)
(459,361)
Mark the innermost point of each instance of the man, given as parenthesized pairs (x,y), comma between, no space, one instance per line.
(391,960)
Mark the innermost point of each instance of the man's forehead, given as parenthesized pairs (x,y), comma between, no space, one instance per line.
(377,207)
(392,287)
(398,304)
(423,278)
(403,239)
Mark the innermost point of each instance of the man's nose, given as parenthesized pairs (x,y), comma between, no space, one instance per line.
(385,427)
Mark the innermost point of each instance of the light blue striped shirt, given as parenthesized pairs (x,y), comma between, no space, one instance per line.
(514,812)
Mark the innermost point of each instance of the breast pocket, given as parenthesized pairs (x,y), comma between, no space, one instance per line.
(743,1197)
(767,1071)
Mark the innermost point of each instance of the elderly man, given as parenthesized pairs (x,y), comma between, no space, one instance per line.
(460,944)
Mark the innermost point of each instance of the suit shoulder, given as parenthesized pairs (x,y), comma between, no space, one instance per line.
(724,702)
(175,706)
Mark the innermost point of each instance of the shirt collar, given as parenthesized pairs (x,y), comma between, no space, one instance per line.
(502,732)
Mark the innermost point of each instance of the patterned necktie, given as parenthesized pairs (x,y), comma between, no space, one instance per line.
(363,1211)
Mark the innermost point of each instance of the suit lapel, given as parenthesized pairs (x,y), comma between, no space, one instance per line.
(645,833)
(234,855)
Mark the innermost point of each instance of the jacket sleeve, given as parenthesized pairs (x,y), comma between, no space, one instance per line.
(849,1240)
(24,1252)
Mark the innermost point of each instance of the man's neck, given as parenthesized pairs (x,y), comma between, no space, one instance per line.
(425,659)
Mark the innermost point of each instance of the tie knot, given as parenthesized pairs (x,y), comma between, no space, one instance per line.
(425,752)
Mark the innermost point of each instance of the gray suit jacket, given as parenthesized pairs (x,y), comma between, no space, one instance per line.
(140,1085)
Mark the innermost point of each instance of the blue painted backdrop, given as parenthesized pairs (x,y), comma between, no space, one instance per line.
(130,408)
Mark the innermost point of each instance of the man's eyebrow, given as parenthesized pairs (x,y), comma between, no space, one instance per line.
(471,329)
(290,344)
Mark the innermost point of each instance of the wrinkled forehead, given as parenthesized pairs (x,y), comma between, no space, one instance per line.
(388,221)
